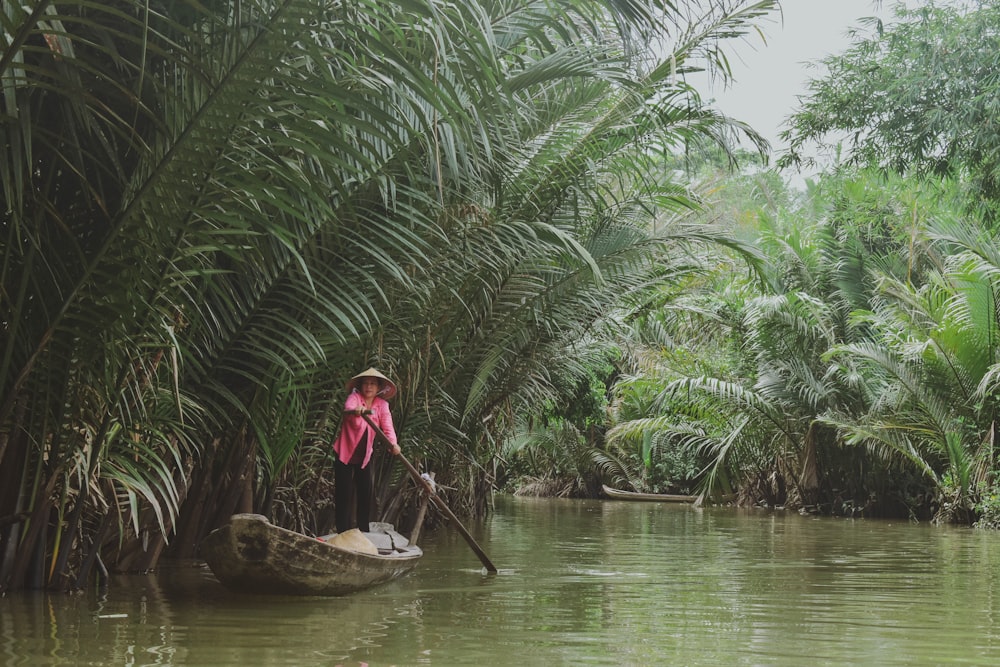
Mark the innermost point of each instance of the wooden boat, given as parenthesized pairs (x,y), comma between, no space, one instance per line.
(251,555)
(618,494)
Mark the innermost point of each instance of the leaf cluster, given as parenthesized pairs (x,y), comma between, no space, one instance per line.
(917,95)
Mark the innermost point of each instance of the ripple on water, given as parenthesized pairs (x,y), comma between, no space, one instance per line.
(580,583)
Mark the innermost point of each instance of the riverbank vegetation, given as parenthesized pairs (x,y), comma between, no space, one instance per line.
(216,213)
(855,371)
(851,374)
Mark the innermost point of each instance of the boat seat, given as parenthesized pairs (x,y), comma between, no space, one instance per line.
(384,536)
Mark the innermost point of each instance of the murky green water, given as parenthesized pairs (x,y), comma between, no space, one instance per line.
(580,583)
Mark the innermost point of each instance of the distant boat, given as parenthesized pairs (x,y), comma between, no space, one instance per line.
(251,555)
(618,494)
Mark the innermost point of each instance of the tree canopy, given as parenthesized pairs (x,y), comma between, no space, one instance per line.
(919,94)
(214,213)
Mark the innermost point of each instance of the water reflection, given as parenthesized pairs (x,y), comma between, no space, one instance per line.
(580,582)
(182,616)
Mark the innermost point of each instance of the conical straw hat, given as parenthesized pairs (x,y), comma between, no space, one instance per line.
(387,387)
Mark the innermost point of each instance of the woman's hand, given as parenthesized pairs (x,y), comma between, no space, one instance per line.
(395,450)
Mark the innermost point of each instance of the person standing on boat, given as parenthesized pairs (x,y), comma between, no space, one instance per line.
(369,392)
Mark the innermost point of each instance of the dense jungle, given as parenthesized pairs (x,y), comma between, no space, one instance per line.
(574,267)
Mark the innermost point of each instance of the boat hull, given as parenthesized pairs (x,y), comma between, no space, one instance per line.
(251,555)
(618,494)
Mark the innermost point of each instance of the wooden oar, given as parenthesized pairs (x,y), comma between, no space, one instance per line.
(436,499)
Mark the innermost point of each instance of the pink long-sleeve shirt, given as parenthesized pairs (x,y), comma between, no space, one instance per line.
(354,427)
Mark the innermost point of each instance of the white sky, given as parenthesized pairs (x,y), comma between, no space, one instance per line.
(770,76)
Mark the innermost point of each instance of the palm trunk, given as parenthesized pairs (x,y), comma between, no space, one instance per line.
(27,548)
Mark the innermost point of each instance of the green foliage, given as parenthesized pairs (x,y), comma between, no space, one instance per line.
(215,213)
(988,506)
(835,361)
(917,95)
(556,453)
(646,437)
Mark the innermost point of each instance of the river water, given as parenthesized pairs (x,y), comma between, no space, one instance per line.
(580,583)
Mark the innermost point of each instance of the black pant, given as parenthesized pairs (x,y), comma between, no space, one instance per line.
(352,483)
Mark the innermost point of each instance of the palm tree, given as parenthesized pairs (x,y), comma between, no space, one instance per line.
(931,359)
(759,414)
(216,211)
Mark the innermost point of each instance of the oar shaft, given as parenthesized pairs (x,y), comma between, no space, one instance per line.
(437,500)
